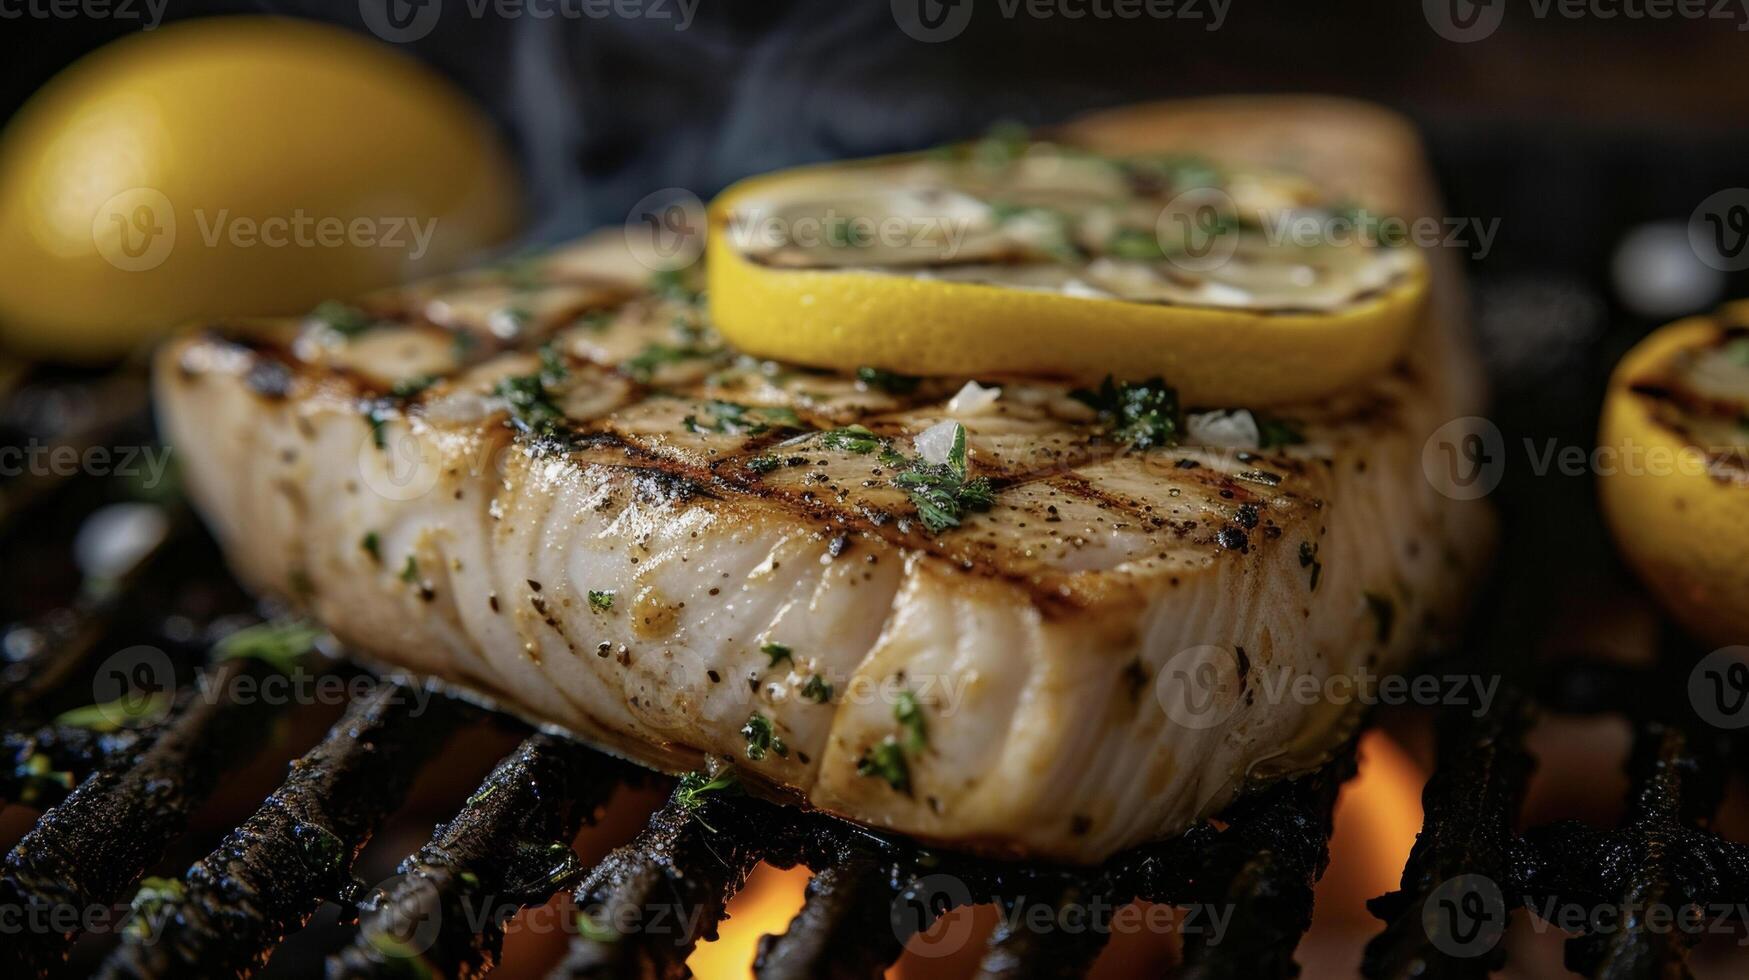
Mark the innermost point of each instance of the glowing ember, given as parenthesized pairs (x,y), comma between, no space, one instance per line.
(770,899)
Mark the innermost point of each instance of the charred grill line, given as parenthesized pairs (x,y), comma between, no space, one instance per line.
(83,853)
(1470,804)
(644,908)
(1262,868)
(841,932)
(48,762)
(508,847)
(1059,952)
(268,876)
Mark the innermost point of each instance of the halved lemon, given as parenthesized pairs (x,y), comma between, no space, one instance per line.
(1239,287)
(1674,483)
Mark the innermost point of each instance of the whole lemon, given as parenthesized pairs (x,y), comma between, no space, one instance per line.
(233,166)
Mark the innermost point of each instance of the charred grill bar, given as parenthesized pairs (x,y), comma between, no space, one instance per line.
(118,799)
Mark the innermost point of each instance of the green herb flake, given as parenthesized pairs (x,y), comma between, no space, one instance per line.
(372,544)
(778,653)
(407,388)
(736,419)
(343,319)
(1384,612)
(851,439)
(890,382)
(887,761)
(908,712)
(943,493)
(531,406)
(1143,416)
(1737,351)
(410,571)
(128,711)
(764,464)
(148,904)
(1136,245)
(761,738)
(643,365)
(696,787)
(1274,433)
(279,644)
(817,690)
(601,600)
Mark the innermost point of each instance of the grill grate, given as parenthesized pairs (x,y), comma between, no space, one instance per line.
(117,800)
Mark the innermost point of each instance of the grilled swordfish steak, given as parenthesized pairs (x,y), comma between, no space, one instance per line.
(1010,617)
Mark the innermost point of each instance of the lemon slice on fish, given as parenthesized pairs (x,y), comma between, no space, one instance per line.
(1238,287)
(1674,469)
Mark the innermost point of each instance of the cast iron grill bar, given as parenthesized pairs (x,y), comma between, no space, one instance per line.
(1058,952)
(1262,869)
(844,930)
(83,853)
(509,847)
(48,762)
(644,908)
(269,875)
(1470,805)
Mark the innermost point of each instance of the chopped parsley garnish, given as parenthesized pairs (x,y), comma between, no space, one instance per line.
(778,653)
(643,365)
(888,381)
(671,284)
(531,405)
(372,545)
(1384,610)
(696,786)
(1738,351)
(278,644)
(601,601)
(1143,415)
(817,690)
(909,714)
(943,493)
(736,419)
(128,711)
(343,319)
(887,760)
(764,464)
(410,571)
(410,387)
(851,439)
(1273,433)
(1309,559)
(1135,244)
(761,739)
(553,368)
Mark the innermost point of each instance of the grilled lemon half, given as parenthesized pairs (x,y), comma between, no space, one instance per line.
(1024,257)
(1675,488)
